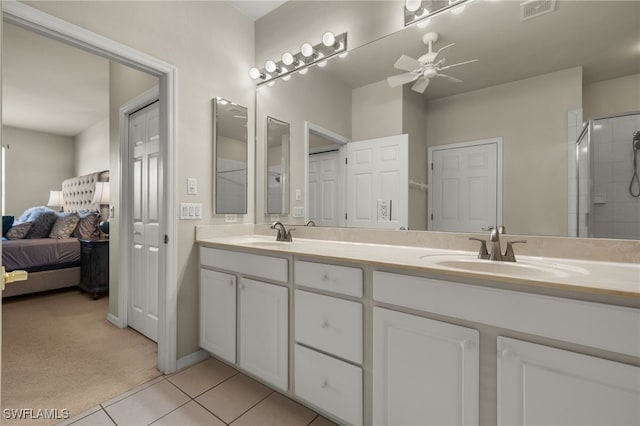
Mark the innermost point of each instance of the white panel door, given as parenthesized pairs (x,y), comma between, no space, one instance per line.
(218,314)
(324,189)
(144,142)
(425,372)
(540,385)
(464,186)
(264,331)
(378,183)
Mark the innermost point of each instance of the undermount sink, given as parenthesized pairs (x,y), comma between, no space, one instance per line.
(523,267)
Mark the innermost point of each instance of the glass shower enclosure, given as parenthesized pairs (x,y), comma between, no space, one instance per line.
(608,189)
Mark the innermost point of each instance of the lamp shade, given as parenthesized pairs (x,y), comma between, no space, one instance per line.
(55,199)
(101,193)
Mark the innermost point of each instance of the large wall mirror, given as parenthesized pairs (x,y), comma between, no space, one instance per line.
(277,167)
(534,84)
(230,148)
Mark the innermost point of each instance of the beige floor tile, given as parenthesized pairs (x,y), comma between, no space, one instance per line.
(202,376)
(233,397)
(190,414)
(99,418)
(79,416)
(147,405)
(276,410)
(322,421)
(132,391)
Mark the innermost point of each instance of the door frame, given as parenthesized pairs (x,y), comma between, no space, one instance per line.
(125,231)
(55,28)
(497,140)
(342,155)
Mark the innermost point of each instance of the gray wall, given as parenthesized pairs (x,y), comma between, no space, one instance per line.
(36,163)
(612,96)
(92,149)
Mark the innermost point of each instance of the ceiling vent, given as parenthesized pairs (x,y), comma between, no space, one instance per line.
(534,8)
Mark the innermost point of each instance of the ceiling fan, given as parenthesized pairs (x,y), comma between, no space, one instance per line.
(424,68)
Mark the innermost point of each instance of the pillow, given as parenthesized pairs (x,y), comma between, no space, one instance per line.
(19,231)
(33,213)
(87,228)
(7,223)
(42,225)
(65,225)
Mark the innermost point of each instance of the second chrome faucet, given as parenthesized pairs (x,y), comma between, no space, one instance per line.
(494,252)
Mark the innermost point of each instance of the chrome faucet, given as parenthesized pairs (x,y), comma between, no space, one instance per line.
(495,251)
(283,234)
(310,222)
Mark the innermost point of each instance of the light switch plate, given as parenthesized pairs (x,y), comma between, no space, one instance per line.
(231,218)
(298,212)
(298,195)
(190,211)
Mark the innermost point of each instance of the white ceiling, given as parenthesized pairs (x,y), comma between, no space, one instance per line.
(255,9)
(50,87)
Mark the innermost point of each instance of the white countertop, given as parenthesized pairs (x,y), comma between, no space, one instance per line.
(608,278)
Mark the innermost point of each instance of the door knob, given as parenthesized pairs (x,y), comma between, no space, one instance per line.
(9,277)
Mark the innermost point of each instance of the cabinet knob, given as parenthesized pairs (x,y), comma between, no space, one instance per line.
(324,277)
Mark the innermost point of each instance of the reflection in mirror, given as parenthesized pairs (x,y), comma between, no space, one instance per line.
(535,82)
(277,167)
(230,148)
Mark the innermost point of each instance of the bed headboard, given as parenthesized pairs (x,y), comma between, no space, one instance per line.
(77,192)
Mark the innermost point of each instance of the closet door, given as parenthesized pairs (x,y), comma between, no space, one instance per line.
(144,142)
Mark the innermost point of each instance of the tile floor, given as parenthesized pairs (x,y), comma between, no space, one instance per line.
(208,393)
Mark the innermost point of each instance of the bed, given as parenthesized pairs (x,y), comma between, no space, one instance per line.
(54,263)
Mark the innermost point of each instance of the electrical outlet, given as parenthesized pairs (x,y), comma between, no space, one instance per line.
(192,186)
(275,218)
(298,195)
(298,212)
(231,218)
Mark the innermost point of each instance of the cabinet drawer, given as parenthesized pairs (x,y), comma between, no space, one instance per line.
(267,267)
(329,324)
(609,327)
(330,384)
(338,279)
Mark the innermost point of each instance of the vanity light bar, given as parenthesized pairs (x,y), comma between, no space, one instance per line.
(418,10)
(330,46)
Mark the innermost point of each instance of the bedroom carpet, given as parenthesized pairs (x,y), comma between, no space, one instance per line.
(59,351)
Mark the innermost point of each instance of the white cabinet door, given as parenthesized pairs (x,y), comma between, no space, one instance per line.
(425,372)
(218,314)
(540,385)
(264,326)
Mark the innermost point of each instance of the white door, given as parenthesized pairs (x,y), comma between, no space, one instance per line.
(218,314)
(324,191)
(464,186)
(264,331)
(540,385)
(144,143)
(378,183)
(425,372)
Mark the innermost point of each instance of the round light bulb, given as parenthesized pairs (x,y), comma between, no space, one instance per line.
(328,39)
(322,64)
(306,49)
(270,66)
(254,73)
(287,58)
(284,70)
(413,5)
(303,71)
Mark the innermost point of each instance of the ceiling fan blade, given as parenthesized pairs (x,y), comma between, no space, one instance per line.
(420,85)
(444,47)
(407,63)
(400,79)
(448,77)
(455,65)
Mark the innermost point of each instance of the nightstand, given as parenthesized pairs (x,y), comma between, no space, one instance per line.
(94,266)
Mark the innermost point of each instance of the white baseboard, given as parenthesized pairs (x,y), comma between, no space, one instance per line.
(114,320)
(193,358)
